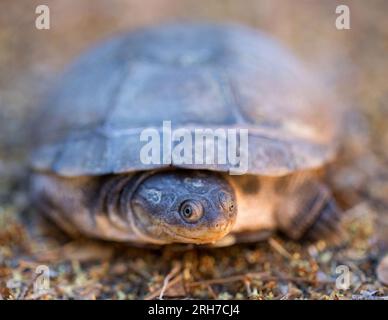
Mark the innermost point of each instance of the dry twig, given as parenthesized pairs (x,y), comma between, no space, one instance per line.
(166,283)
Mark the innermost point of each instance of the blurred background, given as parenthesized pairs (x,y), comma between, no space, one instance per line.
(353,63)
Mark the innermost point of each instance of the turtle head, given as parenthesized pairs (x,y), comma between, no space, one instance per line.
(184,206)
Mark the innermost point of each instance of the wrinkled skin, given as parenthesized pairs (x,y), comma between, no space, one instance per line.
(147,207)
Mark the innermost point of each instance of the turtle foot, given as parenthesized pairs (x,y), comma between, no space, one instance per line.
(310,213)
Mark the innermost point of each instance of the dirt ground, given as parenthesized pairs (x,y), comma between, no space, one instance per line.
(352,63)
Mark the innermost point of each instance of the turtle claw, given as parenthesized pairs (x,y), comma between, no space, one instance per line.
(327,224)
(310,213)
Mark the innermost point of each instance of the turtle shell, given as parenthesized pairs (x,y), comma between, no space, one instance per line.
(196,76)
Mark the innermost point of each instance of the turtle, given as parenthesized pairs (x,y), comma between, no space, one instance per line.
(86,172)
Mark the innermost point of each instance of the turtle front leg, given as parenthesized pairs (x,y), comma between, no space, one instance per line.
(309,212)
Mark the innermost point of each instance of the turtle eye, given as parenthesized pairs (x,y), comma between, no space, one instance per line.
(191,211)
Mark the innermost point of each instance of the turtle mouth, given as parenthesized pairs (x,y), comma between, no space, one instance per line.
(162,232)
(208,235)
